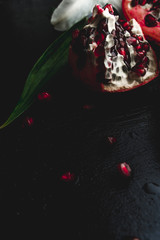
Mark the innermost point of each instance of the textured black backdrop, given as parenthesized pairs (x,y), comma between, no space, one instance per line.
(65,137)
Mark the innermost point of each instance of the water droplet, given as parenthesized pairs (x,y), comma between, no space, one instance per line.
(151,188)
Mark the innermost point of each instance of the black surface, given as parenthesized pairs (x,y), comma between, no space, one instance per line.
(99,203)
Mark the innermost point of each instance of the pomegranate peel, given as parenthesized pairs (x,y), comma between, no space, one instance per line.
(112,55)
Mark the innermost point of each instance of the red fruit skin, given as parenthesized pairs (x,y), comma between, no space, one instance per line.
(87,75)
(139,13)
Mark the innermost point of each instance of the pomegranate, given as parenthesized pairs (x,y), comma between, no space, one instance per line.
(147,14)
(111,54)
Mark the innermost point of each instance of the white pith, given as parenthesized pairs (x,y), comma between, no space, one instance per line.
(122,79)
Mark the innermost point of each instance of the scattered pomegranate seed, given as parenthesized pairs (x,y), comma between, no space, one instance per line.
(68,177)
(44,96)
(124,169)
(112,140)
(28,122)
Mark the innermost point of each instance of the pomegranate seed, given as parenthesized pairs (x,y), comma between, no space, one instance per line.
(139,37)
(140,56)
(28,122)
(124,169)
(138,47)
(110,8)
(122,43)
(145,46)
(134,3)
(125,25)
(44,96)
(100,10)
(122,51)
(112,140)
(99,38)
(132,41)
(150,21)
(142,2)
(139,70)
(145,61)
(68,177)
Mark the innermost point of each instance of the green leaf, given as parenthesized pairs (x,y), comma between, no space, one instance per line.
(51,61)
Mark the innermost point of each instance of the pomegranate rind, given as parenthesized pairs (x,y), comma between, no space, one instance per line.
(88,73)
(138,12)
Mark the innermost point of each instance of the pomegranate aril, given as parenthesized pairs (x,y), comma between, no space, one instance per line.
(44,96)
(140,56)
(150,20)
(112,140)
(139,70)
(124,169)
(122,43)
(138,48)
(99,9)
(68,177)
(134,3)
(99,38)
(132,41)
(142,2)
(139,37)
(28,122)
(110,8)
(145,46)
(122,51)
(145,61)
(125,25)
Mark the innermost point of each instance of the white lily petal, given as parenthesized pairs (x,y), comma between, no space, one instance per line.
(70,12)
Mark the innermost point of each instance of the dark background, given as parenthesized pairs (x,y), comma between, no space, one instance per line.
(98,203)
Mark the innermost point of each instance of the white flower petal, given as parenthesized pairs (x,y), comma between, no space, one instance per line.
(70,12)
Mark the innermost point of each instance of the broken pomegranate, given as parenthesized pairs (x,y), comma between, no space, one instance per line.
(147,14)
(110,54)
